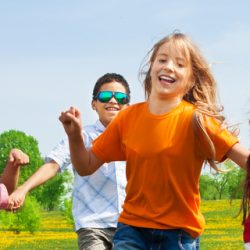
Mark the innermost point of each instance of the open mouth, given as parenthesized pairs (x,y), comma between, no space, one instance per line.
(112,109)
(167,79)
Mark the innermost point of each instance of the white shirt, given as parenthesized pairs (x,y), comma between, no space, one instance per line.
(98,198)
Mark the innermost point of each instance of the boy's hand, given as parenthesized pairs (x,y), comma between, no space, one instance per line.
(16,199)
(18,158)
(71,121)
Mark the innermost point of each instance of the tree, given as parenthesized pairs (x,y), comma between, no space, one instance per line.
(223,185)
(49,195)
(207,190)
(28,144)
(235,181)
(28,218)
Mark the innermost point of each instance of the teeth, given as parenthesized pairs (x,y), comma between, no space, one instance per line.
(112,109)
(167,78)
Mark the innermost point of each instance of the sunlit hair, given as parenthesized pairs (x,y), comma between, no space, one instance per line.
(201,91)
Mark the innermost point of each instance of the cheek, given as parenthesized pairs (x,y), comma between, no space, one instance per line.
(153,69)
(189,82)
(151,73)
(187,75)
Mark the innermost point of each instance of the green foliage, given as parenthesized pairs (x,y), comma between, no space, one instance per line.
(50,195)
(28,144)
(55,234)
(235,183)
(225,185)
(28,218)
(207,190)
(67,210)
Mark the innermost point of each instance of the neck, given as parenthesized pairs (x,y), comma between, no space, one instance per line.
(162,106)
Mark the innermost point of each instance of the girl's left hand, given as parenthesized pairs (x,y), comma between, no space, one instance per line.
(18,158)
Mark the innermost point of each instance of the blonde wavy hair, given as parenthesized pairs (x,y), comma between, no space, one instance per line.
(201,92)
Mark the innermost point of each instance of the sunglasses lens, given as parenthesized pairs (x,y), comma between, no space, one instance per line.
(122,98)
(104,96)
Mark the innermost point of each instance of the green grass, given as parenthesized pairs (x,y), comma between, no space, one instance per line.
(223,231)
(56,233)
(68,244)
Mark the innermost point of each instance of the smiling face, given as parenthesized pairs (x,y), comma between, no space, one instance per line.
(171,73)
(107,111)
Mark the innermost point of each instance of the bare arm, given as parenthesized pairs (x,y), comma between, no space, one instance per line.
(239,155)
(10,175)
(84,161)
(43,174)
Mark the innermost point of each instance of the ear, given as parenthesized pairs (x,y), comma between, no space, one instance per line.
(93,105)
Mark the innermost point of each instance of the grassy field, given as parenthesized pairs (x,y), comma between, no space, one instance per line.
(223,231)
(56,234)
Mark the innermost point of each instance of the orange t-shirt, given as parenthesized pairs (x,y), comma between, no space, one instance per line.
(163,165)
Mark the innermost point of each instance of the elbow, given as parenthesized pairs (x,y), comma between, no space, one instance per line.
(81,173)
(84,172)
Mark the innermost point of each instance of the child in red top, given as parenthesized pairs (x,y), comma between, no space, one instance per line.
(245,207)
(246,232)
(165,141)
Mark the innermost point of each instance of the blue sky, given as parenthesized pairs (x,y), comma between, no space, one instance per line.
(52,52)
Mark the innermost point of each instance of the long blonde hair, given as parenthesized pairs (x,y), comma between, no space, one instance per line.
(202,92)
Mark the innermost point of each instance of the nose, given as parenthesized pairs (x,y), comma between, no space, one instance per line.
(112,100)
(169,65)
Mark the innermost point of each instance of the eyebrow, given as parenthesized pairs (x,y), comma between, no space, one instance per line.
(176,58)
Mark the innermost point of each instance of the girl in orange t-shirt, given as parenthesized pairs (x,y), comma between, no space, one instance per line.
(165,141)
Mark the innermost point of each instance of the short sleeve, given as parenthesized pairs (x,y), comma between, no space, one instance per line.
(108,146)
(60,154)
(222,139)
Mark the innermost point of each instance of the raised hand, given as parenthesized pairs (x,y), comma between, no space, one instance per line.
(71,121)
(18,158)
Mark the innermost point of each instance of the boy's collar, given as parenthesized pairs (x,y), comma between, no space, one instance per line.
(99,126)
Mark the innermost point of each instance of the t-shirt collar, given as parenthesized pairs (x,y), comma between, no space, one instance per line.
(99,126)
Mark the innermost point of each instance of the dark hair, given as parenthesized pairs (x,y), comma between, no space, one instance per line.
(108,78)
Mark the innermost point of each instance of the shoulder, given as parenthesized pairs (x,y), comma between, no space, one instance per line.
(187,107)
(126,117)
(186,111)
(88,128)
(132,109)
(91,132)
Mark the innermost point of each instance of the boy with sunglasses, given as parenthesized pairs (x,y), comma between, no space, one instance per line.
(97,199)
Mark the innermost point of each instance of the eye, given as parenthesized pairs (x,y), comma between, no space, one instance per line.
(161,60)
(180,65)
